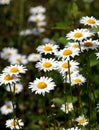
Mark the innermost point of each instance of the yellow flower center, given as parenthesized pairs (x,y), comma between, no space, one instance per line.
(18,59)
(78,35)
(75,46)
(67,107)
(14,123)
(37,19)
(7,107)
(67,52)
(9,53)
(14,70)
(81,121)
(35,57)
(47,65)
(8,77)
(47,48)
(66,65)
(91,21)
(77,80)
(41,85)
(88,44)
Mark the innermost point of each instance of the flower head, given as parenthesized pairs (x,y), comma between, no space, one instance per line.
(42,85)
(67,107)
(14,124)
(91,21)
(81,120)
(34,57)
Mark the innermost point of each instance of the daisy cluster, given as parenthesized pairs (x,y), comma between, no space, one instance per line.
(11,78)
(38,18)
(5,2)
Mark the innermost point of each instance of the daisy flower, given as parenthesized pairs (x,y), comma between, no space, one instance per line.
(64,65)
(67,52)
(77,79)
(90,44)
(7,108)
(14,124)
(6,78)
(41,24)
(97,55)
(37,10)
(18,59)
(48,48)
(7,52)
(81,120)
(74,45)
(34,57)
(76,128)
(67,107)
(47,40)
(36,18)
(15,69)
(79,34)
(91,21)
(4,2)
(97,107)
(46,64)
(42,85)
(17,88)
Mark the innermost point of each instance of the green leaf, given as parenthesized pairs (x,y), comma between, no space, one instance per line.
(57,101)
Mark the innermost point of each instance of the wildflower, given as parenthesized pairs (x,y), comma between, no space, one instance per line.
(67,52)
(77,79)
(91,21)
(18,59)
(47,40)
(74,45)
(15,69)
(14,124)
(64,65)
(37,10)
(7,108)
(76,128)
(34,57)
(79,34)
(36,18)
(97,54)
(90,44)
(48,48)
(41,24)
(4,2)
(6,78)
(7,52)
(42,85)
(97,107)
(81,120)
(17,88)
(67,107)
(46,64)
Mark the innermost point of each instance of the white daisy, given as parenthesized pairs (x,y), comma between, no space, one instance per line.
(79,34)
(6,78)
(7,52)
(15,69)
(90,44)
(47,40)
(4,2)
(17,88)
(25,32)
(48,48)
(34,57)
(97,55)
(37,10)
(41,24)
(46,64)
(14,124)
(36,18)
(42,85)
(77,79)
(81,120)
(76,128)
(91,21)
(18,59)
(67,52)
(67,107)
(63,66)
(7,108)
